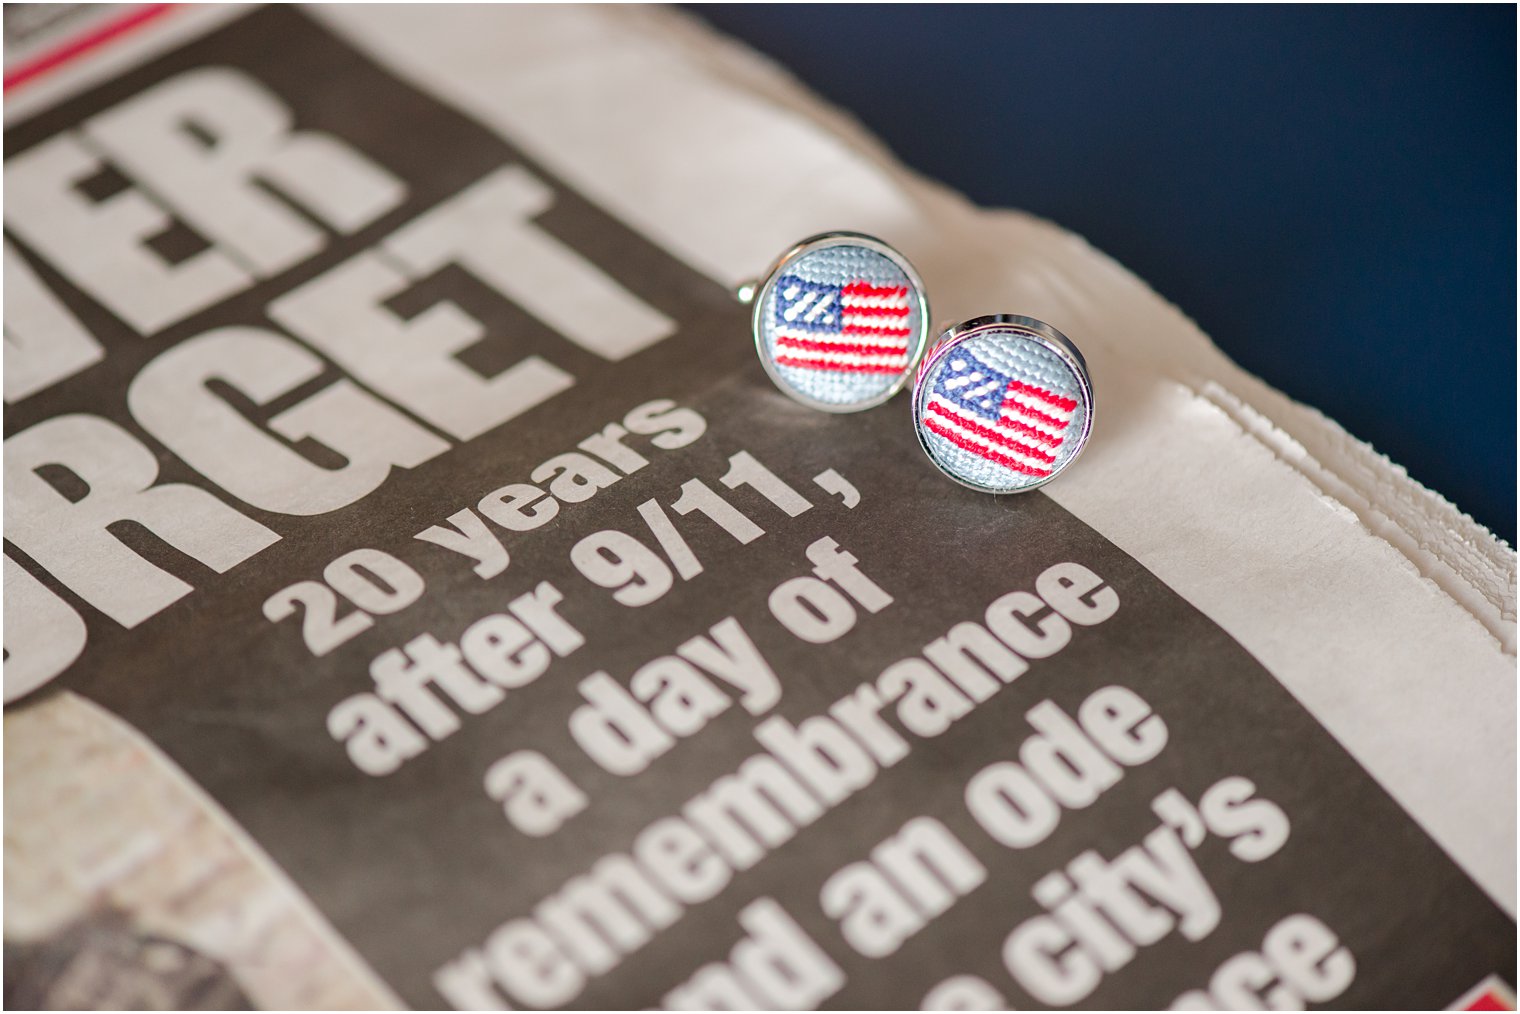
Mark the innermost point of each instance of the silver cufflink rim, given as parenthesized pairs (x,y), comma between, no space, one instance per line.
(1038,331)
(756,294)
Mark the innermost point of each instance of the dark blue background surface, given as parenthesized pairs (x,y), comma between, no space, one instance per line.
(1329,192)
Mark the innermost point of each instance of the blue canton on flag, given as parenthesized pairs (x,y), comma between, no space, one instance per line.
(807,306)
(973,386)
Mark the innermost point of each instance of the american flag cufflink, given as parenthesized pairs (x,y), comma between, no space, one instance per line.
(1003,404)
(840,321)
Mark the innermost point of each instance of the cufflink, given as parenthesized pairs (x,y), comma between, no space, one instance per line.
(1003,404)
(840,321)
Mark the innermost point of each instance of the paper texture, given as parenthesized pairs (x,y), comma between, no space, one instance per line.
(419,595)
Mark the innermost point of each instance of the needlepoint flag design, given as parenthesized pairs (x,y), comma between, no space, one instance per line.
(852,328)
(841,326)
(1002,411)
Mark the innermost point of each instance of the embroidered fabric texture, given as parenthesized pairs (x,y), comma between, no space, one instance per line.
(839,325)
(1002,411)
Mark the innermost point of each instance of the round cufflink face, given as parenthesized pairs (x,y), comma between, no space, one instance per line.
(840,322)
(1003,404)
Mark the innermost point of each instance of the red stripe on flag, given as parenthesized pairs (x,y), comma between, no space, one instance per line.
(876,311)
(55,58)
(866,289)
(992,435)
(824,364)
(1032,433)
(882,332)
(1049,397)
(1023,430)
(983,452)
(1034,413)
(809,345)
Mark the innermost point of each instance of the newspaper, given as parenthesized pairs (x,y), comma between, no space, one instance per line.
(416,595)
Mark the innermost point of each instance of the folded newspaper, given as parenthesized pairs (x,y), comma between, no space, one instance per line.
(416,594)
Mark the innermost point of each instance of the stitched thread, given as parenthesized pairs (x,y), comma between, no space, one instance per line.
(998,411)
(839,324)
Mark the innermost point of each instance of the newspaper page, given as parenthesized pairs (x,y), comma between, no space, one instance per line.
(417,595)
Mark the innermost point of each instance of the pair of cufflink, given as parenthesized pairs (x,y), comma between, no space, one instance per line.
(1002,403)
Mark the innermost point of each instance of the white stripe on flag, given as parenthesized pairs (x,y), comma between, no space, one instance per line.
(1052,437)
(1040,405)
(976,438)
(884,343)
(844,358)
